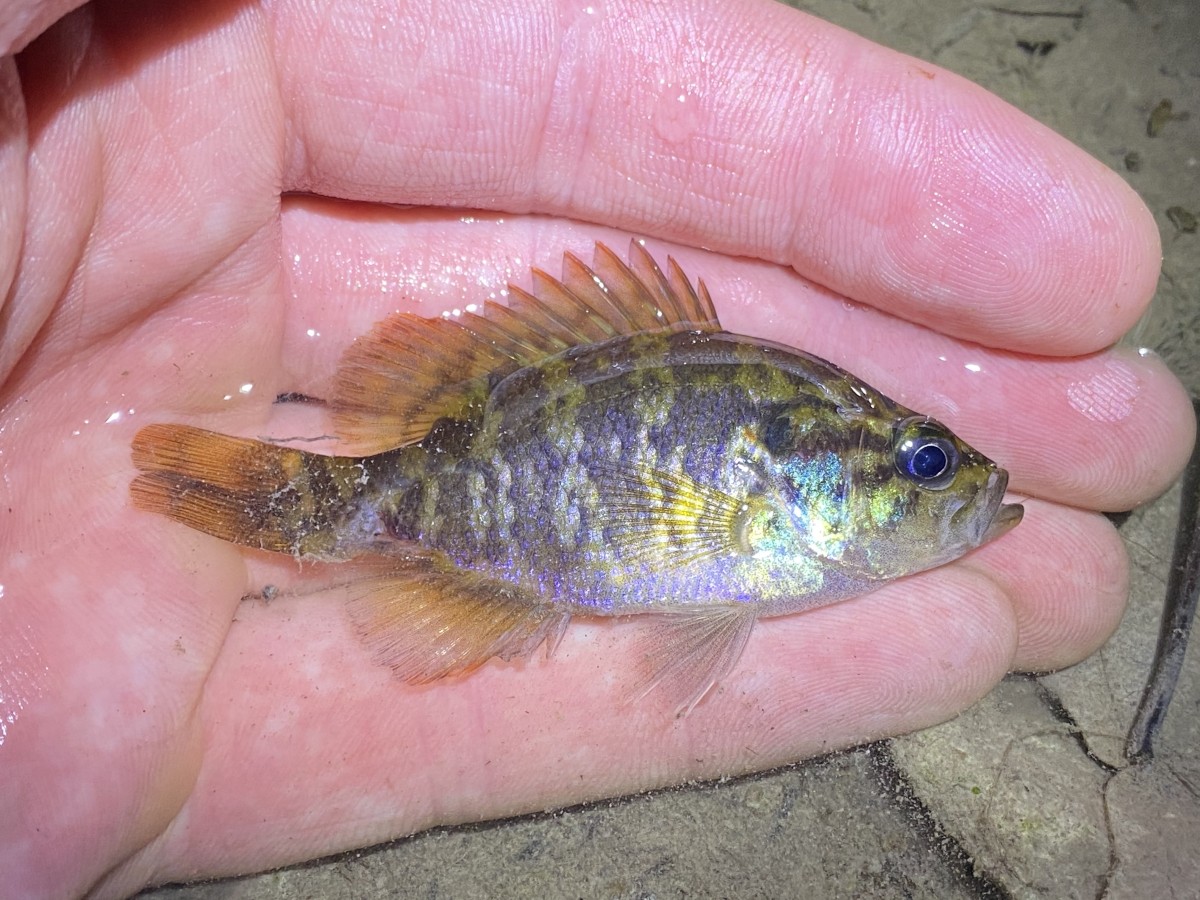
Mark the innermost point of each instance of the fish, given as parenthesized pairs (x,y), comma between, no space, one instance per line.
(599,446)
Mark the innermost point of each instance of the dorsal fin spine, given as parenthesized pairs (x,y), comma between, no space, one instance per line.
(407,372)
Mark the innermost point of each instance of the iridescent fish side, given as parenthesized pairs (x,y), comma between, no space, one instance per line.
(599,447)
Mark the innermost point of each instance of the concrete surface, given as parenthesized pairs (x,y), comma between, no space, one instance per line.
(1026,795)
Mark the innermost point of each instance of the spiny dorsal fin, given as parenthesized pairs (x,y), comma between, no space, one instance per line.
(408,372)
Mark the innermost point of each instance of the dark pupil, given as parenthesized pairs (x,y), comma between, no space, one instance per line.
(929,461)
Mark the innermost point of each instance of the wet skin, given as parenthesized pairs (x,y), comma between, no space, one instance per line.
(170,251)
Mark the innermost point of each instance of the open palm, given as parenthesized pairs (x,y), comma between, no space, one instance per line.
(174,252)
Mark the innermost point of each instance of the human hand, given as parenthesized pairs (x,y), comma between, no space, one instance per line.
(154,728)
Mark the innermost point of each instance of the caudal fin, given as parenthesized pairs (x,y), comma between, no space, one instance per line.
(245,491)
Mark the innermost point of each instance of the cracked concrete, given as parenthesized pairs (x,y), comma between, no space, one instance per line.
(1028,794)
(1012,783)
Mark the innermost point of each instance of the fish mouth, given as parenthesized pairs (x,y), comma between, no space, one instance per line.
(1004,517)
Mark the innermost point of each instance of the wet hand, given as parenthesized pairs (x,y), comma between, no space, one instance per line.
(205,204)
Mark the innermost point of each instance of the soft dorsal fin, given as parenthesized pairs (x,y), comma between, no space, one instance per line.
(408,372)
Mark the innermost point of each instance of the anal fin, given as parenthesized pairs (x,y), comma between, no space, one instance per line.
(426,618)
(684,654)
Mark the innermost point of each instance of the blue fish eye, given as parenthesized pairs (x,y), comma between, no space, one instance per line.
(925,453)
(928,461)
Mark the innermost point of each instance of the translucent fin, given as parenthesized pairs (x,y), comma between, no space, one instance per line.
(243,491)
(407,372)
(426,619)
(684,655)
(668,517)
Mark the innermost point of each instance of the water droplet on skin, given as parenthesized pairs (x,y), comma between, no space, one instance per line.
(1108,395)
(313,333)
(21,675)
(973,367)
(677,114)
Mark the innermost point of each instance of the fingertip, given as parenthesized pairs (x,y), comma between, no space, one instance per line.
(1106,432)
(912,654)
(1067,571)
(989,226)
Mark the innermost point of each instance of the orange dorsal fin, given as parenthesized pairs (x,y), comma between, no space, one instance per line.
(408,372)
(426,619)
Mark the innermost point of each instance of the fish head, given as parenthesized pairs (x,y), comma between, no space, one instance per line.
(892,496)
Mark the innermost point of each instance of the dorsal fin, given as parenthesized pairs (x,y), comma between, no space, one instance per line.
(407,372)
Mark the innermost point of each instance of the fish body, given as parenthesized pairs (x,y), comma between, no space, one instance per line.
(612,451)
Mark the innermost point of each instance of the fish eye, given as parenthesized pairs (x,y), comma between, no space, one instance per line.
(925,453)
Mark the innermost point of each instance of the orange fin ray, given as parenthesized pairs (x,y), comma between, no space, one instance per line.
(405,374)
(684,655)
(426,619)
(240,490)
(408,372)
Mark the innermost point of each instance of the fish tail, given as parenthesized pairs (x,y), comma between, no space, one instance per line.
(250,492)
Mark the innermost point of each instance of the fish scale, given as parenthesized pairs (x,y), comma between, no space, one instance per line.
(601,448)
(703,409)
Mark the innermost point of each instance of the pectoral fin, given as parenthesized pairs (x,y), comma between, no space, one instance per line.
(671,518)
(426,618)
(683,655)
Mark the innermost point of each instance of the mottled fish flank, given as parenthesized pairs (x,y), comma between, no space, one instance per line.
(599,447)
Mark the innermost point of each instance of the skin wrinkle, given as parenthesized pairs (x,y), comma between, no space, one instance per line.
(959,94)
(569,702)
(27,315)
(572,97)
(810,246)
(13,186)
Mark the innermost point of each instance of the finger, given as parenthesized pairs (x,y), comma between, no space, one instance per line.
(745,127)
(154,156)
(1104,432)
(1064,612)
(23,20)
(356,758)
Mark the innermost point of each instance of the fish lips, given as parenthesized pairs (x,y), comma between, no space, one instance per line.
(1004,516)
